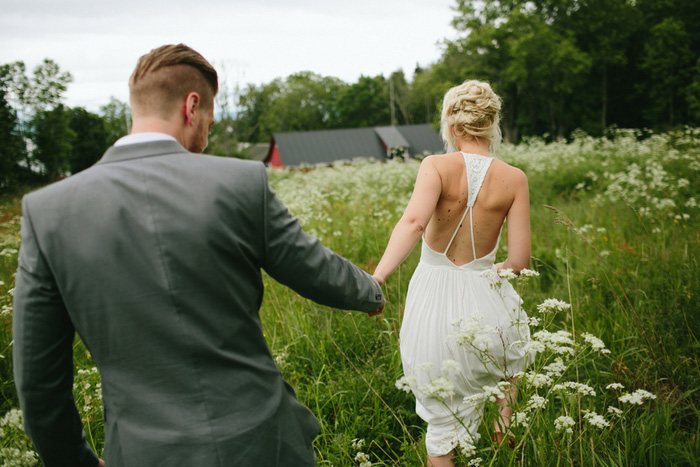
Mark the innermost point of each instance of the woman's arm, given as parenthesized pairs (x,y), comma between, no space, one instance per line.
(518,227)
(411,226)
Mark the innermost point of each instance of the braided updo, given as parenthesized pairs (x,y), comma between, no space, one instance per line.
(473,110)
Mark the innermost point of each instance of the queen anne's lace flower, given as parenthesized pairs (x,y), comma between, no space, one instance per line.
(507,273)
(493,393)
(519,419)
(555,369)
(637,397)
(552,305)
(538,380)
(596,344)
(565,423)
(574,387)
(596,420)
(614,386)
(439,388)
(475,400)
(450,366)
(536,402)
(405,383)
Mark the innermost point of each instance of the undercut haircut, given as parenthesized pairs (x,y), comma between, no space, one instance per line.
(166,75)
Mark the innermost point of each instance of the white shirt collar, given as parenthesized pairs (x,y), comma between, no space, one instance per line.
(146,137)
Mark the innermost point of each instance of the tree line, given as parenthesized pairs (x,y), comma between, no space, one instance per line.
(559,65)
(41,139)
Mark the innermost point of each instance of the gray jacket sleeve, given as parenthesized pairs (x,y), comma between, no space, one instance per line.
(43,360)
(299,261)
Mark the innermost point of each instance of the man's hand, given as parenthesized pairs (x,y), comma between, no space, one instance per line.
(379,310)
(100,463)
(380,281)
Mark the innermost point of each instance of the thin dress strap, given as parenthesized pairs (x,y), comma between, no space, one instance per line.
(476,168)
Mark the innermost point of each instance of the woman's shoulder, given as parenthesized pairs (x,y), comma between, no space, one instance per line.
(444,162)
(514,174)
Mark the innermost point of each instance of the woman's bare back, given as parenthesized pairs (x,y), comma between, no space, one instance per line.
(495,198)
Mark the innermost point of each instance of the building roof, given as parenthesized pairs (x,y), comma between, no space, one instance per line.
(328,146)
(391,137)
(422,139)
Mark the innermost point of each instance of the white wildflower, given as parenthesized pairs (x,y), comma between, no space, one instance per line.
(534,321)
(475,400)
(637,397)
(574,387)
(439,388)
(493,393)
(489,274)
(552,305)
(596,344)
(538,380)
(450,366)
(615,411)
(507,273)
(528,273)
(363,459)
(405,383)
(614,386)
(555,369)
(12,419)
(559,342)
(358,444)
(565,423)
(519,419)
(536,402)
(596,420)
(475,462)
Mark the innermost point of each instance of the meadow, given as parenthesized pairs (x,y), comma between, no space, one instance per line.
(613,311)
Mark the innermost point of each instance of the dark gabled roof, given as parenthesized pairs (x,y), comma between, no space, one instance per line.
(327,146)
(258,151)
(422,139)
(391,137)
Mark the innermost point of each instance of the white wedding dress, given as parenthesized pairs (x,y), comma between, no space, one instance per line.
(444,301)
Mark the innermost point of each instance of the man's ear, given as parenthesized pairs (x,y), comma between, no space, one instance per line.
(191,106)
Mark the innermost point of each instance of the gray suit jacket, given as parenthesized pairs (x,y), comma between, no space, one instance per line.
(154,257)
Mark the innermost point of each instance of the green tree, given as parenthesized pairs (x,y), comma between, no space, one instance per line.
(514,45)
(365,103)
(53,140)
(12,147)
(603,29)
(255,103)
(90,140)
(668,62)
(116,116)
(304,101)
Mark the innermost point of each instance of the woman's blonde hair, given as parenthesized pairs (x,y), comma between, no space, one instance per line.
(473,110)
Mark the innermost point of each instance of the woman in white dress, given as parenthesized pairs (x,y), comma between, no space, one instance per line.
(459,204)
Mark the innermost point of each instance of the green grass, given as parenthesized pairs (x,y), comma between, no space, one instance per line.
(615,232)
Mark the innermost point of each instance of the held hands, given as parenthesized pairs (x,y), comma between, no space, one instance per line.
(380,281)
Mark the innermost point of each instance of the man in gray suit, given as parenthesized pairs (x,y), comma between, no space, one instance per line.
(154,257)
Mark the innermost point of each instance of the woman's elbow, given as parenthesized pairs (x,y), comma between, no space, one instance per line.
(414,225)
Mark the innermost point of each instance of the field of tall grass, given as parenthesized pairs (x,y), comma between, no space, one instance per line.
(614,312)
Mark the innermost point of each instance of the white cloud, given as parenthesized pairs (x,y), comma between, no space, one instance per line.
(257,41)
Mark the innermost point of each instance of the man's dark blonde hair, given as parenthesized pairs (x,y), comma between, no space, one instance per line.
(166,75)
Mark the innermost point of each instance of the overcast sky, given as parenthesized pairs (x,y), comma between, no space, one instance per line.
(256,41)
